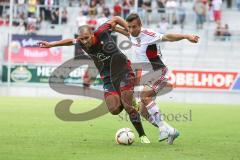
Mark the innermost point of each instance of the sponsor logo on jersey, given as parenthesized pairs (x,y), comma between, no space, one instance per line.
(101,57)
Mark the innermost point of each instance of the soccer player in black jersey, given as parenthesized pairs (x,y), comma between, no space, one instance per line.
(113,66)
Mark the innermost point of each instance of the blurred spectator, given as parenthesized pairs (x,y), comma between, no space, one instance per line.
(21,19)
(92,22)
(205,2)
(64,15)
(20,6)
(140,4)
(226,32)
(70,3)
(92,10)
(181,14)
(140,9)
(48,7)
(171,7)
(163,25)
(217,5)
(101,2)
(85,8)
(55,16)
(56,2)
(161,6)
(100,9)
(210,11)
(7,20)
(147,5)
(82,2)
(117,9)
(102,19)
(106,11)
(1,9)
(32,24)
(222,33)
(81,19)
(229,3)
(238,4)
(32,7)
(218,30)
(200,10)
(42,9)
(126,8)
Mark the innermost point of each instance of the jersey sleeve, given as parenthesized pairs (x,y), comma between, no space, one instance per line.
(75,41)
(151,37)
(104,27)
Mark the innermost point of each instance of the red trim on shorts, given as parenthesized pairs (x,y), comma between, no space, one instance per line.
(158,82)
(161,79)
(152,105)
(127,87)
(106,94)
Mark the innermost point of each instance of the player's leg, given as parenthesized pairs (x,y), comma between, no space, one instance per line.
(145,100)
(126,87)
(113,102)
(115,106)
(150,110)
(134,116)
(112,97)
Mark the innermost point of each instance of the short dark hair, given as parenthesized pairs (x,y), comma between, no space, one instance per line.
(84,28)
(132,17)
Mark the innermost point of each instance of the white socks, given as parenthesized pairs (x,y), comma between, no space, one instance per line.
(156,119)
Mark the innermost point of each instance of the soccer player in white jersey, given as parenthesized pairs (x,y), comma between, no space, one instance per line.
(146,47)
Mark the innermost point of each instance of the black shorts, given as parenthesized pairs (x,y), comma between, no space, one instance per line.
(116,83)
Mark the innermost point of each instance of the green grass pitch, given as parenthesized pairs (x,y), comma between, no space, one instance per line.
(29,130)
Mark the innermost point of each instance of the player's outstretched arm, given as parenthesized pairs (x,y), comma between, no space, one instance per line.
(65,42)
(178,37)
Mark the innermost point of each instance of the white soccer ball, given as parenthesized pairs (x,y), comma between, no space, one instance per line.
(124,136)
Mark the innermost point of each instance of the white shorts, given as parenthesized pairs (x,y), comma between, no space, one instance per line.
(156,80)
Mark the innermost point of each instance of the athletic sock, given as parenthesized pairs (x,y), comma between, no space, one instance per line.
(136,121)
(156,119)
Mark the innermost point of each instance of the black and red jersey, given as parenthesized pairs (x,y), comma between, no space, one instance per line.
(105,52)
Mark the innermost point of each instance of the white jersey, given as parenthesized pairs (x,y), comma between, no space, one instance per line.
(147,49)
(146,45)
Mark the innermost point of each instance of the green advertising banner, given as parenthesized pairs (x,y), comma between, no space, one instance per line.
(41,74)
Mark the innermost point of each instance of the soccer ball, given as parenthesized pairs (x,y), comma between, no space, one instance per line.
(124,136)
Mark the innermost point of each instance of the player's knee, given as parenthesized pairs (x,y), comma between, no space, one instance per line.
(127,100)
(144,97)
(115,111)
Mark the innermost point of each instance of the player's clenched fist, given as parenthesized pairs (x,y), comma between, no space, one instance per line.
(193,38)
(44,44)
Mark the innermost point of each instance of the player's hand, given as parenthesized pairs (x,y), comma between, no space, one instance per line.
(44,44)
(193,38)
